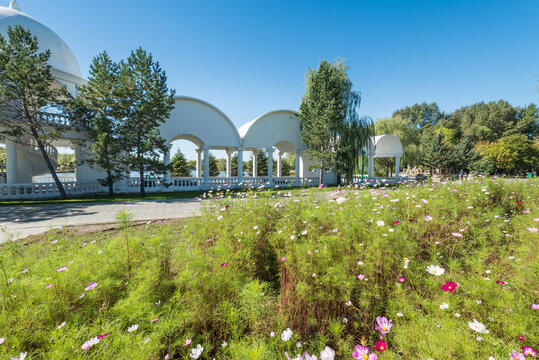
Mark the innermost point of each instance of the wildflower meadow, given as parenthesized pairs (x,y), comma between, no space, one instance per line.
(429,271)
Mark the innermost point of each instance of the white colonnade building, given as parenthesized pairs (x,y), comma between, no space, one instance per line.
(277,132)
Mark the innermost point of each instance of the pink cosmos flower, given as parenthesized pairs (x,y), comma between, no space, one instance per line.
(48,286)
(154,320)
(535,306)
(401,279)
(536,219)
(361,276)
(521,337)
(362,353)
(223,265)
(103,336)
(61,268)
(500,282)
(383,325)
(516,356)
(91,286)
(380,345)
(283,259)
(396,222)
(532,230)
(88,344)
(528,351)
(449,286)
(428,218)
(456,234)
(187,342)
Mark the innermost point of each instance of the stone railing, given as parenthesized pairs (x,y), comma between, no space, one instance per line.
(47,190)
(379,180)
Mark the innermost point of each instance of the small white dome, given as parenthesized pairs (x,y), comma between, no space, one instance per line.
(62,57)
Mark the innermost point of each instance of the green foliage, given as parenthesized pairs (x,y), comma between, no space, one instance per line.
(267,263)
(261,163)
(330,126)
(145,103)
(512,153)
(27,87)
(179,165)
(96,108)
(214,166)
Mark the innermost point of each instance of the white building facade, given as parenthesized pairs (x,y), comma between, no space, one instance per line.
(277,132)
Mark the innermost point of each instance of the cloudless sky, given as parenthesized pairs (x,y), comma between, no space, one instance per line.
(250,57)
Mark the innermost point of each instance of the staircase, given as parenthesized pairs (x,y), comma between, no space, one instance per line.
(30,151)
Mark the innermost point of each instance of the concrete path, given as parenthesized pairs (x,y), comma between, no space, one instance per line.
(24,220)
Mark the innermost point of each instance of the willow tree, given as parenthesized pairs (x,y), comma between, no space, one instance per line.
(330,126)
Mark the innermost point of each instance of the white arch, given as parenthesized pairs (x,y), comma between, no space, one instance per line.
(200,122)
(279,128)
(385,146)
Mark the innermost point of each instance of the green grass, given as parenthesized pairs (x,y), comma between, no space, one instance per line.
(266,261)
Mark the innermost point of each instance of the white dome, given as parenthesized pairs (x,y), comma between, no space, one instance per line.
(62,57)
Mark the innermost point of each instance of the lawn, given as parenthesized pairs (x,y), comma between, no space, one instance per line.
(439,272)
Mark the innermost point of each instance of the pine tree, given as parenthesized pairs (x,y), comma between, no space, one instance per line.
(145,103)
(25,90)
(96,108)
(179,165)
(214,167)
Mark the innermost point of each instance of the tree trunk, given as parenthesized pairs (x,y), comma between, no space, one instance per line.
(59,185)
(141,172)
(321,178)
(109,182)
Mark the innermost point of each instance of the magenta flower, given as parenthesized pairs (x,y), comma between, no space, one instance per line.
(223,265)
(515,355)
(48,286)
(103,336)
(154,320)
(90,286)
(535,306)
(362,353)
(500,282)
(528,351)
(401,279)
(396,222)
(449,286)
(383,325)
(380,345)
(361,276)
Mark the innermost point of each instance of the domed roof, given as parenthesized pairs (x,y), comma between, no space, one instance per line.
(62,57)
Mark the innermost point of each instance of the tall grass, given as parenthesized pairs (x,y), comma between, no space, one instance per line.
(325,264)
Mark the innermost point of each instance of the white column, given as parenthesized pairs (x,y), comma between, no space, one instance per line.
(206,149)
(255,161)
(397,166)
(270,164)
(240,164)
(11,162)
(198,164)
(371,165)
(298,155)
(228,163)
(166,160)
(279,167)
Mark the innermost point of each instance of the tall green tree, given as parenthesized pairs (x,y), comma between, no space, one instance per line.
(179,165)
(145,103)
(330,125)
(421,116)
(97,108)
(26,88)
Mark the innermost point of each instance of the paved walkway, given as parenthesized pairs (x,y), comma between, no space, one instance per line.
(25,220)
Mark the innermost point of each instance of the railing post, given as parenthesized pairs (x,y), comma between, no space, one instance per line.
(240,164)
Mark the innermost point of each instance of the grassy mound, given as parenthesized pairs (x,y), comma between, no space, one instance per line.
(323,264)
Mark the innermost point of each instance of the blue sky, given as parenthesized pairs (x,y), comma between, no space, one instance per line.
(250,57)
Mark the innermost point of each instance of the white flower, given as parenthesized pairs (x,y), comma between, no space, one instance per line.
(272,334)
(61,325)
(380,223)
(477,326)
(88,344)
(406,263)
(145,341)
(435,270)
(345,320)
(340,200)
(327,354)
(298,344)
(304,232)
(287,334)
(399,314)
(195,353)
(444,306)
(360,263)
(22,356)
(2,339)
(132,328)
(457,315)
(224,344)
(292,237)
(487,271)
